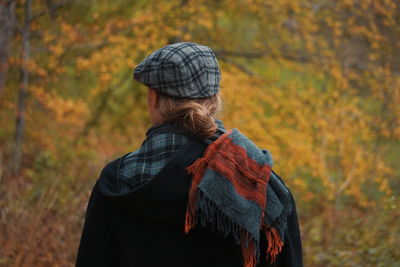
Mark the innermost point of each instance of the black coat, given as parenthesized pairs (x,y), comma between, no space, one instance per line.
(145,228)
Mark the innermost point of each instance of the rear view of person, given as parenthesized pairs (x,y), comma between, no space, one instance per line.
(194,193)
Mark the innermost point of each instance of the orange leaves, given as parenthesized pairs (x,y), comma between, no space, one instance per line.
(83,63)
(57,49)
(65,111)
(70,32)
(319,99)
(324,97)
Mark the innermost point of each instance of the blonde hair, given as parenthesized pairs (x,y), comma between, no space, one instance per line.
(196,116)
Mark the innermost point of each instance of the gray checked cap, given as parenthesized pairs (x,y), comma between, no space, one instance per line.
(185,70)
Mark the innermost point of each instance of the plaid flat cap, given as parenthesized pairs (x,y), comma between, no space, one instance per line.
(185,70)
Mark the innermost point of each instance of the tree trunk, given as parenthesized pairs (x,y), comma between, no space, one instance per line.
(7,25)
(20,123)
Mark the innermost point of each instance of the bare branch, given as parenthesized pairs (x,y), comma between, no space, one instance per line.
(51,8)
(241,67)
(20,120)
(93,121)
(7,27)
(239,54)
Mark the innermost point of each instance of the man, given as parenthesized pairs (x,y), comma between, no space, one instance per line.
(194,193)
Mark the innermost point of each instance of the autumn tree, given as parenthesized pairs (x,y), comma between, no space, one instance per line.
(315,82)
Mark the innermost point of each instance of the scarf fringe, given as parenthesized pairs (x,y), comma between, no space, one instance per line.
(250,258)
(202,210)
(196,170)
(274,243)
(207,213)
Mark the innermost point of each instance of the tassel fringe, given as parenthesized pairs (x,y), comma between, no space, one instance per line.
(207,213)
(196,170)
(249,255)
(275,244)
(202,210)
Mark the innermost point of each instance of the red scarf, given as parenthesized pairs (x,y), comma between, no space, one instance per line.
(229,160)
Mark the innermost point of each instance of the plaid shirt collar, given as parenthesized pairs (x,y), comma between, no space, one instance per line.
(176,129)
(164,128)
(162,141)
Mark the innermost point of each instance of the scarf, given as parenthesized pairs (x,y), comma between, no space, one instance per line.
(236,192)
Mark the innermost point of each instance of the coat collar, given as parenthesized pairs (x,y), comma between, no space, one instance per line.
(174,128)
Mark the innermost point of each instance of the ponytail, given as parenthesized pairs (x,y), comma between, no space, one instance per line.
(196,116)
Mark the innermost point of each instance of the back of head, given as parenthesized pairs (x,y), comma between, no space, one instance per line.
(196,116)
(186,77)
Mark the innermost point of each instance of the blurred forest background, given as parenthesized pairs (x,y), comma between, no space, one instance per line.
(317,82)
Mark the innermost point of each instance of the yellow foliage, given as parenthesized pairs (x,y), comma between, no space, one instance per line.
(314,82)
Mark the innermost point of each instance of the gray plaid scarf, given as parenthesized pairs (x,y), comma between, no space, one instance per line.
(139,167)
